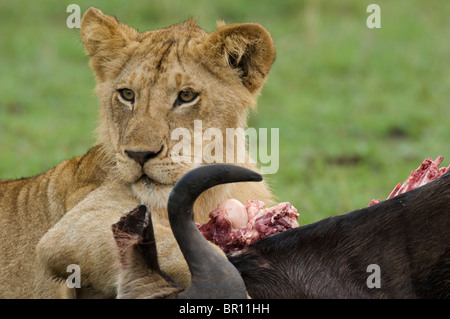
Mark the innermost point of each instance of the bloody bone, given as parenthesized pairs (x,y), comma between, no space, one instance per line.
(233,226)
(427,171)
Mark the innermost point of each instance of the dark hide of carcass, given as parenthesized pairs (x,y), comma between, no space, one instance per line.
(407,238)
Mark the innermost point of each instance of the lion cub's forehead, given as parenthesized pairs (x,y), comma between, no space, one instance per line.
(162,50)
(181,38)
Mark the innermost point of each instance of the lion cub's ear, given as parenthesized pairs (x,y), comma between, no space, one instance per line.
(106,40)
(247,47)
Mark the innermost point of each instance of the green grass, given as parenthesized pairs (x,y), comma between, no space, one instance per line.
(357,109)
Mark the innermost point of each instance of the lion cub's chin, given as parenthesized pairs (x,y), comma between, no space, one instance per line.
(152,194)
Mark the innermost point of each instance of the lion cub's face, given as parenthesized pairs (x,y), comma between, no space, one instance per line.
(152,83)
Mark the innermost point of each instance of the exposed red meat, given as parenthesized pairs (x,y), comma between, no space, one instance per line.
(428,171)
(233,226)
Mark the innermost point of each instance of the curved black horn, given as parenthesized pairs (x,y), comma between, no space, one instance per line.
(212,275)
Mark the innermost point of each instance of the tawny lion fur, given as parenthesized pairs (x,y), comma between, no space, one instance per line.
(64,215)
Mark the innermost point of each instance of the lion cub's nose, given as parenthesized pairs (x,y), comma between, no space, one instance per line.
(142,157)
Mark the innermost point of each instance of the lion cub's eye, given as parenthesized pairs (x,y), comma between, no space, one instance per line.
(127,95)
(186,96)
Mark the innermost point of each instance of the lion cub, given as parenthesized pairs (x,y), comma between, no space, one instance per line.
(148,85)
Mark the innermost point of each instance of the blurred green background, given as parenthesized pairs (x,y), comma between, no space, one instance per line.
(357,108)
